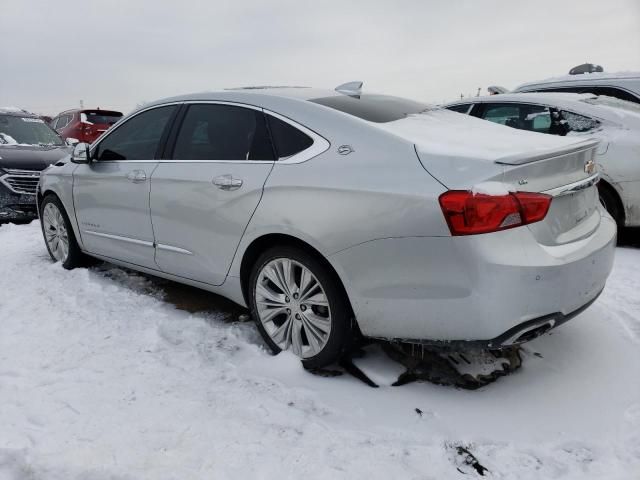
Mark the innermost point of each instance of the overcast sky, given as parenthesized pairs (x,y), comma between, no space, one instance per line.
(118,53)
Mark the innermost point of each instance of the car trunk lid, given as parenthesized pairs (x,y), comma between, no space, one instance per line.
(463,153)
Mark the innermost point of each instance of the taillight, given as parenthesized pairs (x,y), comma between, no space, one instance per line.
(469,214)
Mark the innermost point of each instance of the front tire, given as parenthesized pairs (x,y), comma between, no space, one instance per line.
(297,304)
(58,233)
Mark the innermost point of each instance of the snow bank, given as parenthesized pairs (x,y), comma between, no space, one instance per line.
(102,379)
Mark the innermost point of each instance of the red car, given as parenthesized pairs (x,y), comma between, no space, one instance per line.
(84,125)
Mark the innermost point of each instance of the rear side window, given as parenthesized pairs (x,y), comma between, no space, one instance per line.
(374,108)
(287,139)
(137,138)
(464,108)
(223,132)
(579,123)
(63,121)
(535,118)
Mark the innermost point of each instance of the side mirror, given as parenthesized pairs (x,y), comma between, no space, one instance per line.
(72,141)
(81,153)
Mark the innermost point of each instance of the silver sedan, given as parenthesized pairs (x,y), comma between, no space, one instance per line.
(337,213)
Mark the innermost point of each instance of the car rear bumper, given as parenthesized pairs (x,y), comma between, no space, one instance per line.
(490,289)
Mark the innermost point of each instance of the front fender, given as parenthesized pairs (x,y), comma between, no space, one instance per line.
(59,181)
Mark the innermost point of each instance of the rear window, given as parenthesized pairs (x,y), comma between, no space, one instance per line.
(100,117)
(374,108)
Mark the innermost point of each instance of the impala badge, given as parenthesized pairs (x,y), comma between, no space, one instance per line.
(590,167)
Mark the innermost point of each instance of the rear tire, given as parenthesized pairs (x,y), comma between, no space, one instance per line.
(58,234)
(611,203)
(297,303)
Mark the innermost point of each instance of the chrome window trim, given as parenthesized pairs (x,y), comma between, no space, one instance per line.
(319,145)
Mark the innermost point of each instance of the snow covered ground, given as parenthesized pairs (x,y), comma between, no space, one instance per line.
(102,378)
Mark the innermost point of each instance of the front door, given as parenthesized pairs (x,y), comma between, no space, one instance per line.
(111,194)
(204,194)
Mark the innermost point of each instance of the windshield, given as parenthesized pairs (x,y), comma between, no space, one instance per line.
(100,117)
(614,102)
(374,108)
(26,131)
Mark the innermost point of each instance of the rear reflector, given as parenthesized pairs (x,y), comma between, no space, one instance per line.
(469,214)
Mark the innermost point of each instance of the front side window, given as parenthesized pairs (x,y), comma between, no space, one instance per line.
(26,131)
(535,118)
(287,139)
(137,138)
(374,108)
(223,132)
(462,108)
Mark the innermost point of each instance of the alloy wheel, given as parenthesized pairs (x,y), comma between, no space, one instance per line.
(55,232)
(293,307)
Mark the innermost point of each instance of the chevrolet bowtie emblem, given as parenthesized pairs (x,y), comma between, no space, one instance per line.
(590,167)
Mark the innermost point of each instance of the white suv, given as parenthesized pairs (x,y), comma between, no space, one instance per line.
(623,85)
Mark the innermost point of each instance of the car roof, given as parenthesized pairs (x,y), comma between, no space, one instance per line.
(252,94)
(582,78)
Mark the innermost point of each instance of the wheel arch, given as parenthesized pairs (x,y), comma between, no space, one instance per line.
(606,185)
(40,196)
(266,241)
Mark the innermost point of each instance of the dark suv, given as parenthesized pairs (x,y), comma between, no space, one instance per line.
(84,125)
(27,146)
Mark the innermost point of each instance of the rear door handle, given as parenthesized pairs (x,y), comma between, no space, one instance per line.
(227,182)
(137,176)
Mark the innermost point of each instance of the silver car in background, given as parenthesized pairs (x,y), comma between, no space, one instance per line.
(615,122)
(334,213)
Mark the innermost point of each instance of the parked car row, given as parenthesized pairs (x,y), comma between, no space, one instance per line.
(336,213)
(29,144)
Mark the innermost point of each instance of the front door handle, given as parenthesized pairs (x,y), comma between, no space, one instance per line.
(137,176)
(227,182)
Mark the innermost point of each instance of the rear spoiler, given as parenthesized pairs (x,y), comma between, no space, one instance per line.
(523,158)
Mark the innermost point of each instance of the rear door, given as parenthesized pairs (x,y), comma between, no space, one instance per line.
(206,190)
(111,194)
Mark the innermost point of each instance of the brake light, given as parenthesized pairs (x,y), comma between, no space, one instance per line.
(469,214)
